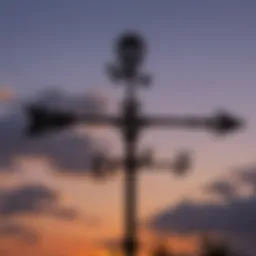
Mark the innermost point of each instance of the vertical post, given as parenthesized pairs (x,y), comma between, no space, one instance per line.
(130,199)
(130,132)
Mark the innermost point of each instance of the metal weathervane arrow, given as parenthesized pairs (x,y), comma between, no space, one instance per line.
(130,51)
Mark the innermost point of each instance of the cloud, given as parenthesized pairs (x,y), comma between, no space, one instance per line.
(33,199)
(224,189)
(67,151)
(18,231)
(237,215)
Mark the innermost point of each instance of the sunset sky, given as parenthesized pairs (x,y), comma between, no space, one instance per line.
(202,57)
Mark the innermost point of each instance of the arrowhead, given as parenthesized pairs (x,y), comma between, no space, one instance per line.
(42,120)
(225,123)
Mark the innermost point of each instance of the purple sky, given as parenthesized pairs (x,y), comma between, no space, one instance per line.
(202,55)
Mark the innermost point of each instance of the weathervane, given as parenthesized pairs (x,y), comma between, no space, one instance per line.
(130,52)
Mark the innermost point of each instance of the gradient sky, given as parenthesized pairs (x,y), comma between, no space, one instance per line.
(202,55)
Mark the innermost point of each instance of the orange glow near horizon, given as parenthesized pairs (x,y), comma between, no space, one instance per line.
(67,245)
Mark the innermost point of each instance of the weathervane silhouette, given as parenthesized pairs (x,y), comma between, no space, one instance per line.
(130,53)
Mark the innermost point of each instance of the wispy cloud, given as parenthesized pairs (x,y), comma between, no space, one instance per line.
(238,216)
(222,188)
(67,151)
(33,199)
(21,231)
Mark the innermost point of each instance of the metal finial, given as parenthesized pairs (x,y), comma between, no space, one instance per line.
(130,50)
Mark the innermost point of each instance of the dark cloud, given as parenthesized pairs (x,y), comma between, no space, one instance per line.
(223,189)
(33,199)
(21,231)
(66,150)
(237,216)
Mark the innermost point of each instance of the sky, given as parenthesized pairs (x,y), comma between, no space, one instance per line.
(202,58)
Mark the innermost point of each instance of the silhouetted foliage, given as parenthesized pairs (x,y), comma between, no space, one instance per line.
(212,248)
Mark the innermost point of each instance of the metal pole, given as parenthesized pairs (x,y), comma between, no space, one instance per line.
(130,199)
(130,129)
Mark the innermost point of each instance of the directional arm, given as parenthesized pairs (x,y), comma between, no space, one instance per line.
(175,121)
(42,120)
(103,166)
(220,123)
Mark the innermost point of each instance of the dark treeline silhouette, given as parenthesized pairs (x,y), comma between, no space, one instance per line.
(208,247)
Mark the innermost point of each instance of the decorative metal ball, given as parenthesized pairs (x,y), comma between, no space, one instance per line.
(130,40)
(130,48)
